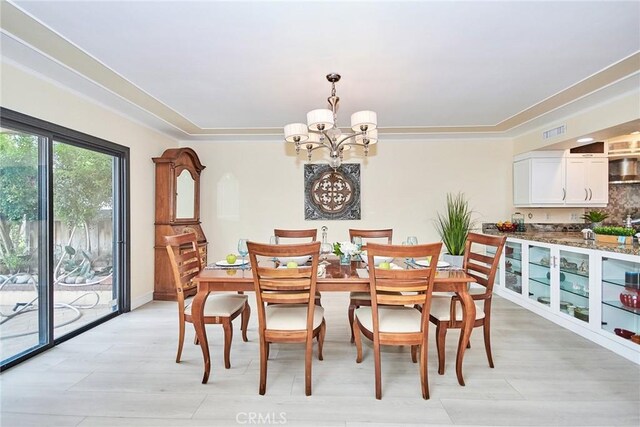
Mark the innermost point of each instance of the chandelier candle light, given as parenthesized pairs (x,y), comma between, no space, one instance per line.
(321,130)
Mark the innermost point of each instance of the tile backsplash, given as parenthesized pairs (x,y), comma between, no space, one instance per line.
(624,199)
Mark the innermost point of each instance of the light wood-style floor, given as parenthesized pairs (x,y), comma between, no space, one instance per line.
(123,373)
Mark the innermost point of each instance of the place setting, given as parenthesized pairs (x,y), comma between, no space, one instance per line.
(232,260)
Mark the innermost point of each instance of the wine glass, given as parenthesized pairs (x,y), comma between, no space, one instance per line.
(412,240)
(242,249)
(273,240)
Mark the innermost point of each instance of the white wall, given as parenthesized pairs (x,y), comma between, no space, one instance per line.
(403,186)
(28,94)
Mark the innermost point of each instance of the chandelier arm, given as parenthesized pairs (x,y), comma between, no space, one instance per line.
(346,137)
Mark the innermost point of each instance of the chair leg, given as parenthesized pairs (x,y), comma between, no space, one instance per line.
(414,353)
(264,355)
(321,334)
(307,365)
(180,340)
(487,341)
(268,347)
(227,326)
(352,309)
(244,318)
(424,375)
(378,368)
(358,341)
(441,334)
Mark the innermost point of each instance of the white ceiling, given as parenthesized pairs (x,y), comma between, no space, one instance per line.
(204,68)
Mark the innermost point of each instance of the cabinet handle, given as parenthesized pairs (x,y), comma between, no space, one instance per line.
(590,194)
(586,194)
(564,193)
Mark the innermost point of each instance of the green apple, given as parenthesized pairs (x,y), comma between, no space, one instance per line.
(384,266)
(231,258)
(292,264)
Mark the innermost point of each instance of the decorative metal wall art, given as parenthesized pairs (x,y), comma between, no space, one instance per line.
(332,194)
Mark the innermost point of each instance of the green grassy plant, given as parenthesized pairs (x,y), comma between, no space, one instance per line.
(454,225)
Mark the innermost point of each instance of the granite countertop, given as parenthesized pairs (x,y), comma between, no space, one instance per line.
(568,238)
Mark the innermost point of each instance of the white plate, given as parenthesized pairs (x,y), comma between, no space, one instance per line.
(300,260)
(238,263)
(425,263)
(376,259)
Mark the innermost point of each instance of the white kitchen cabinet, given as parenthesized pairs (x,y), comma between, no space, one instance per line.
(587,181)
(555,179)
(539,179)
(576,288)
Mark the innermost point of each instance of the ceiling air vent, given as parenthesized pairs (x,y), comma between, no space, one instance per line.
(551,133)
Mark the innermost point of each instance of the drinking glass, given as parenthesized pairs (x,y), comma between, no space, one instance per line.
(242,249)
(412,240)
(357,240)
(273,240)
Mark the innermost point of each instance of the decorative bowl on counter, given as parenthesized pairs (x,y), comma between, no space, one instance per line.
(507,226)
(630,298)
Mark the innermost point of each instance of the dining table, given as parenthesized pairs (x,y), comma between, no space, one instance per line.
(337,278)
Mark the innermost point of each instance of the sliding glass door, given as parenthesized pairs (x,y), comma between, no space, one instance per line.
(63,234)
(83,234)
(21,313)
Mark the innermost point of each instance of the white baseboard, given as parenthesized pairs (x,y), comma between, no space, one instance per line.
(141,300)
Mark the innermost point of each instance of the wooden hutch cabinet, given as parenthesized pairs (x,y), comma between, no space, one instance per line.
(177,211)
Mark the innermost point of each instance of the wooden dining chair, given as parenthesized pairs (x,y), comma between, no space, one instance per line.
(287,312)
(311,233)
(357,299)
(219,308)
(294,235)
(400,302)
(481,257)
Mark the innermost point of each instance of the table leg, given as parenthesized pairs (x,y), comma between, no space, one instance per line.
(197,314)
(468,316)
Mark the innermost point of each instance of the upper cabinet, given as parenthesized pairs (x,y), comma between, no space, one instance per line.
(539,181)
(555,179)
(587,180)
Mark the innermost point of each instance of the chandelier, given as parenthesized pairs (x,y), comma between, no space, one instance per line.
(322,131)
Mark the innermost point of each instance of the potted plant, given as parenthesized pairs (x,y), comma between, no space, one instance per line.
(453,227)
(595,217)
(620,235)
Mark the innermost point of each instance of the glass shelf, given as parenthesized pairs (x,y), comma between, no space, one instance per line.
(582,294)
(515,257)
(616,282)
(541,280)
(620,306)
(584,274)
(538,264)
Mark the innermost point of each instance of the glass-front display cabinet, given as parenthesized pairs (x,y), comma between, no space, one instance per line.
(574,284)
(621,297)
(540,274)
(513,267)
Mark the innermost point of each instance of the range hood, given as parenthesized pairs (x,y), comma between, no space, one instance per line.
(624,162)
